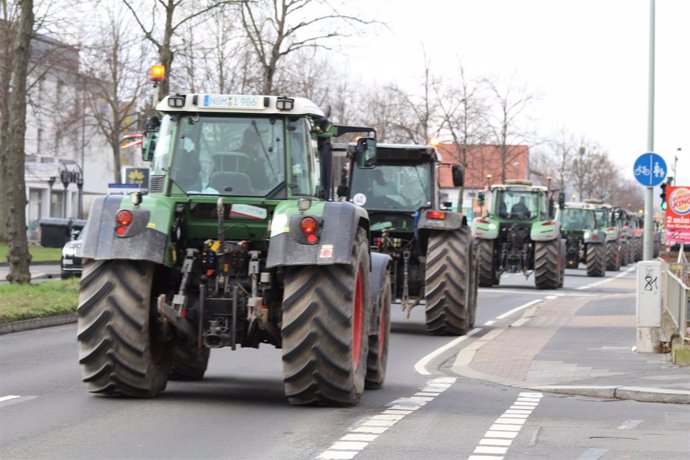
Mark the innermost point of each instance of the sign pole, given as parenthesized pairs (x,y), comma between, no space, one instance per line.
(648,243)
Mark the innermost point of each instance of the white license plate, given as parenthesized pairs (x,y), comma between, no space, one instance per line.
(67,262)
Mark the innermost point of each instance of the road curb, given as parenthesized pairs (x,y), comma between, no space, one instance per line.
(37,323)
(642,394)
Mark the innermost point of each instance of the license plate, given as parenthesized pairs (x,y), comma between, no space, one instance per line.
(67,262)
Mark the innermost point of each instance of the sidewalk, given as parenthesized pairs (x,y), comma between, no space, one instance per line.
(576,346)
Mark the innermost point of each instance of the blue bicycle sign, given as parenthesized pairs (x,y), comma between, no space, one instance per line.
(649,169)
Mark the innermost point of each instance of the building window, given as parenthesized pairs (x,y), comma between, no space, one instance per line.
(56,203)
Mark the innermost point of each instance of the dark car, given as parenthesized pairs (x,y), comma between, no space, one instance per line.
(70,262)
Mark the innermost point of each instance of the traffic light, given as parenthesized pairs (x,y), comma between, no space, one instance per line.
(481,198)
(663,196)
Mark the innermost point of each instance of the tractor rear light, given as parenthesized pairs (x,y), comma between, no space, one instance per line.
(378,241)
(436,215)
(309,225)
(483,221)
(123,219)
(550,222)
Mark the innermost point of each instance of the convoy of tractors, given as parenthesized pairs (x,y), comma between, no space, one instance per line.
(265,223)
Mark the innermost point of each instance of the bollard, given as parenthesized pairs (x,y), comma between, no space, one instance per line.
(648,306)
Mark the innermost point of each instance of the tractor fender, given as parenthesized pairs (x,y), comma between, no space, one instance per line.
(595,237)
(545,231)
(485,228)
(451,221)
(338,225)
(140,241)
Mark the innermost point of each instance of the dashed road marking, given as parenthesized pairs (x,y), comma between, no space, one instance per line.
(360,436)
(620,275)
(500,435)
(629,424)
(8,398)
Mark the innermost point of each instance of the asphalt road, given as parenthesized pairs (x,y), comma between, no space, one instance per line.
(239,411)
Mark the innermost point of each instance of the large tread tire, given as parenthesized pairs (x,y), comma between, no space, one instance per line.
(447,282)
(613,257)
(326,311)
(474,284)
(625,253)
(547,264)
(639,249)
(121,349)
(487,271)
(377,358)
(188,362)
(596,260)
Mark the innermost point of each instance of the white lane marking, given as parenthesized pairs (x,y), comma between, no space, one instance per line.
(8,397)
(505,428)
(517,309)
(629,424)
(360,436)
(593,453)
(598,283)
(489,323)
(420,367)
(531,291)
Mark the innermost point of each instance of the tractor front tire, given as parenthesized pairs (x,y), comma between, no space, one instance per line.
(448,282)
(596,260)
(122,349)
(547,264)
(377,358)
(188,362)
(487,271)
(324,330)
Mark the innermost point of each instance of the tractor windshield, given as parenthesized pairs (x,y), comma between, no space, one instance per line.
(392,187)
(224,154)
(602,218)
(517,204)
(577,219)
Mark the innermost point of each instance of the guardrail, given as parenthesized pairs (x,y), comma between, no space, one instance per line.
(675,300)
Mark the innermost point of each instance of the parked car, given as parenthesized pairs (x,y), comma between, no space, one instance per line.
(70,262)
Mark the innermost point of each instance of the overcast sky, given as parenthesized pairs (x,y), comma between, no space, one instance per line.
(586,59)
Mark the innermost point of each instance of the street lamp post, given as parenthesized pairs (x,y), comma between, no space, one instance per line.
(79,179)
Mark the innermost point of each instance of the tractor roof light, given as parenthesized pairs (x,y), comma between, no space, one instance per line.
(285,103)
(177,101)
(157,73)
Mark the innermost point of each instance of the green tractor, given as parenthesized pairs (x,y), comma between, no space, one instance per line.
(583,241)
(605,220)
(520,234)
(433,254)
(238,242)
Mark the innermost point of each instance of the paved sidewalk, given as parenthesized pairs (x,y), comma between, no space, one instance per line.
(578,346)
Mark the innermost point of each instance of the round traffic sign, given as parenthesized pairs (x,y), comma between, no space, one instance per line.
(649,169)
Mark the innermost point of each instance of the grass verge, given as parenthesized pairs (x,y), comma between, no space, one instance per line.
(25,301)
(38,253)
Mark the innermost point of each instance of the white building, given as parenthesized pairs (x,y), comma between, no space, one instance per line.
(61,143)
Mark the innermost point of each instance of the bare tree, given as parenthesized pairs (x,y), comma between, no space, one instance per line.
(163,39)
(277,28)
(504,122)
(116,79)
(463,111)
(18,255)
(555,159)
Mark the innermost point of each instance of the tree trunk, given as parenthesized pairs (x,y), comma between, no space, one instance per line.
(5,76)
(18,255)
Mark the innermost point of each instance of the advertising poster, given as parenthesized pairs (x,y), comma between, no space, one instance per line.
(678,214)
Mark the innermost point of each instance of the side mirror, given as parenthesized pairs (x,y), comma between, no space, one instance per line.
(151,128)
(365,152)
(561,200)
(458,176)
(149,146)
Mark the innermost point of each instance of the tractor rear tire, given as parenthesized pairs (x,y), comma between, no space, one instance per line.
(613,257)
(326,312)
(548,264)
(596,260)
(474,284)
(377,358)
(188,362)
(639,249)
(121,346)
(487,271)
(625,253)
(448,282)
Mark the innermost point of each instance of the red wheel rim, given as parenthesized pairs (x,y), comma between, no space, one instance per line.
(357,320)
